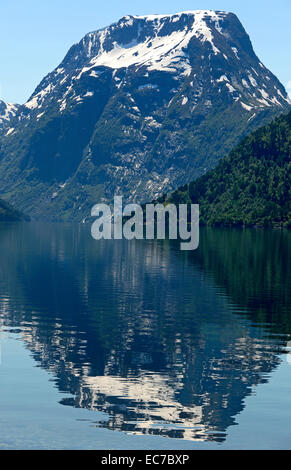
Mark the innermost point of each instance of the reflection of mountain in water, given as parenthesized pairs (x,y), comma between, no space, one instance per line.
(138,330)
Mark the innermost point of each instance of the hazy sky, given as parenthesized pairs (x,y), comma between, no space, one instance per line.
(36,34)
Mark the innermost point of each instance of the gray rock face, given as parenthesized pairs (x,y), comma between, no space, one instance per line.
(138,109)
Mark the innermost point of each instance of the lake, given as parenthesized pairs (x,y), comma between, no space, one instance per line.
(138,345)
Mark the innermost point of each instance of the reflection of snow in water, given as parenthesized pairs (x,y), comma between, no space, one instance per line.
(155,399)
(137,331)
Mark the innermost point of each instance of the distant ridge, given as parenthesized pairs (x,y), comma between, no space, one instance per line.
(7,112)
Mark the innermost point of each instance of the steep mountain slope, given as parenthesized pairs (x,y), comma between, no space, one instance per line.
(251,186)
(138,108)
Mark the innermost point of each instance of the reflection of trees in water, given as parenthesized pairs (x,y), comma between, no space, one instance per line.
(133,329)
(253,269)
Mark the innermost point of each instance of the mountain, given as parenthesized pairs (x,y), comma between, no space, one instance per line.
(7,112)
(9,214)
(138,108)
(251,186)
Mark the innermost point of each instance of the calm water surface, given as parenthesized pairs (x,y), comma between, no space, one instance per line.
(117,344)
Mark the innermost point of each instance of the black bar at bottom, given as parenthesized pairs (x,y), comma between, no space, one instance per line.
(133,458)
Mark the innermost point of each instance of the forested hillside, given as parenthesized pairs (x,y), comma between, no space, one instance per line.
(250,186)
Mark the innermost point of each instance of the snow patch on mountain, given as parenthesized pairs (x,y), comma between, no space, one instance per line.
(37,99)
(160,43)
(7,111)
(157,51)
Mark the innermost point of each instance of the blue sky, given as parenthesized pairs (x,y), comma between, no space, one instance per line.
(35,35)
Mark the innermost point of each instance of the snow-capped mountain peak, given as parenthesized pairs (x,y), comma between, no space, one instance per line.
(138,108)
(7,111)
(177,44)
(160,40)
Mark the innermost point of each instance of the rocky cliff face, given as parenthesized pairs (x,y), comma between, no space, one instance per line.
(138,108)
